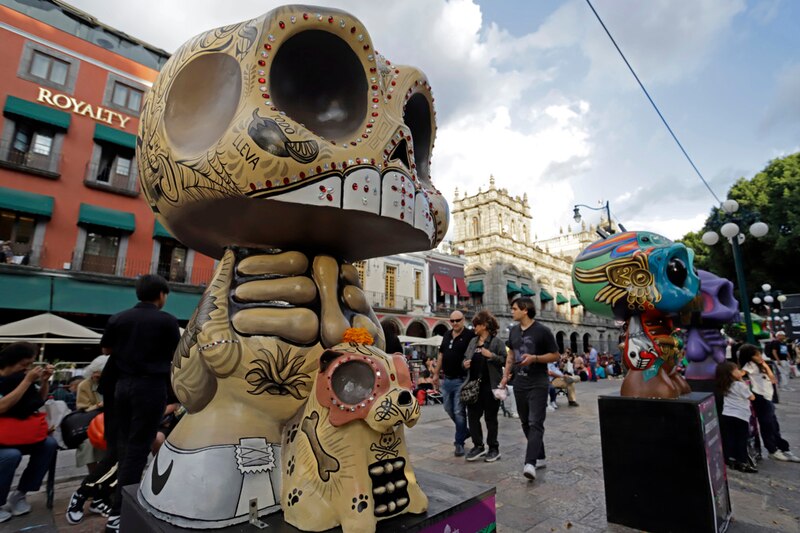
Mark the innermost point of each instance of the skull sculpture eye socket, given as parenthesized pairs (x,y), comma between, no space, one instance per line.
(677,272)
(318,80)
(418,119)
(202,101)
(352,382)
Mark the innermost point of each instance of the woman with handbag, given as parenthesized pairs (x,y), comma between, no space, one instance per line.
(484,359)
(23,429)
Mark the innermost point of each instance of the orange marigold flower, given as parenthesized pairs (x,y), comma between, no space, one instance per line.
(358,336)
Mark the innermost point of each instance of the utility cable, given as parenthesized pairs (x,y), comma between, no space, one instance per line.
(653,103)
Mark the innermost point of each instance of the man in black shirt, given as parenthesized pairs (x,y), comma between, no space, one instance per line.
(451,363)
(532,345)
(141,341)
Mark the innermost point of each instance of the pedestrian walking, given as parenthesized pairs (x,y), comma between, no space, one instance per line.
(484,359)
(141,342)
(761,381)
(532,346)
(450,363)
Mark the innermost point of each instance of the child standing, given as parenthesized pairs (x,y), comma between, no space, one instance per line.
(735,419)
(762,380)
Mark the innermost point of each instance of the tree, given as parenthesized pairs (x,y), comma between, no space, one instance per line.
(772,196)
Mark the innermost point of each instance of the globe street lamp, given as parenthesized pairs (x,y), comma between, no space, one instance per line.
(731,231)
(767,296)
(576,215)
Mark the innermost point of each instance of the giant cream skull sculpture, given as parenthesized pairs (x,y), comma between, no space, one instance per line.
(287,147)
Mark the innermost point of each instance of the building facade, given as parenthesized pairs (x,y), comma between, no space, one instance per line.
(492,232)
(70,206)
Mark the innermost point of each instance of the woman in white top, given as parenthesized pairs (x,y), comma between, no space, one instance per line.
(735,418)
(761,381)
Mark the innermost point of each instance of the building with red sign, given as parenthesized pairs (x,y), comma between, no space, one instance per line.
(74,226)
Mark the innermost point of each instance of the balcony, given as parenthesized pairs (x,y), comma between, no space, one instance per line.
(24,254)
(378,300)
(106,265)
(45,166)
(104,177)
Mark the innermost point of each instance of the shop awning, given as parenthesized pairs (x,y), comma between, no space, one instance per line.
(475,287)
(161,231)
(573,302)
(445,284)
(526,291)
(512,288)
(561,299)
(37,112)
(114,136)
(25,292)
(461,285)
(545,296)
(104,216)
(26,202)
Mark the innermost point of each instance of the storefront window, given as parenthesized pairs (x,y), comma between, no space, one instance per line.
(100,253)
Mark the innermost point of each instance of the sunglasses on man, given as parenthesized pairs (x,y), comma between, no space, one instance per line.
(456,321)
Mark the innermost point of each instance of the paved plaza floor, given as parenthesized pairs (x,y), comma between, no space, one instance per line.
(568,495)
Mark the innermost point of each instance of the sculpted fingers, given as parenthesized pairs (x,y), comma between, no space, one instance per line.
(282,264)
(294,324)
(294,290)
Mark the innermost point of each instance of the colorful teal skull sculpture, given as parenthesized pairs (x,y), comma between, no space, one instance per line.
(641,278)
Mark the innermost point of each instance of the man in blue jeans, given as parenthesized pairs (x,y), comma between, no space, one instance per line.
(451,364)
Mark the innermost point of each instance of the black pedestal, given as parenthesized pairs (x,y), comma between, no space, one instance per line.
(461,504)
(663,465)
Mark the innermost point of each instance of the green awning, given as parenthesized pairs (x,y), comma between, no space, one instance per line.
(25,292)
(475,287)
(38,112)
(103,216)
(74,296)
(545,296)
(161,231)
(114,136)
(561,299)
(182,304)
(526,291)
(26,202)
(512,288)
(573,302)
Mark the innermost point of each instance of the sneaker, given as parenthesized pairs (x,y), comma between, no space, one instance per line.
(554,404)
(5,516)
(112,524)
(541,463)
(514,415)
(529,471)
(792,457)
(550,409)
(17,504)
(779,456)
(492,456)
(475,453)
(574,404)
(459,450)
(100,506)
(75,508)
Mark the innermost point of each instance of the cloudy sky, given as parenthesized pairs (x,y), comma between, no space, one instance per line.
(534,93)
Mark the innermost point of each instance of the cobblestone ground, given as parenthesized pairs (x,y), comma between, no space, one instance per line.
(566,496)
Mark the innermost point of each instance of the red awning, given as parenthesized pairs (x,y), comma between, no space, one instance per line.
(445,283)
(462,287)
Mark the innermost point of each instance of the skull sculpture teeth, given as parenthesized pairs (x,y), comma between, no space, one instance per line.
(290,128)
(286,147)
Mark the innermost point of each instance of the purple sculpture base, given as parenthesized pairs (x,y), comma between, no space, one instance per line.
(459,503)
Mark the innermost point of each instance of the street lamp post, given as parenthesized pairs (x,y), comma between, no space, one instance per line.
(577,215)
(731,231)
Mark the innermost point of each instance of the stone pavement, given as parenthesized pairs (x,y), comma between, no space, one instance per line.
(568,495)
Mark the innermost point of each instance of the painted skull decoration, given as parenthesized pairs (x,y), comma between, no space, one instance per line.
(641,278)
(287,147)
(291,128)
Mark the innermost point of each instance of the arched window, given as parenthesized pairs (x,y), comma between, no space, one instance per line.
(476,226)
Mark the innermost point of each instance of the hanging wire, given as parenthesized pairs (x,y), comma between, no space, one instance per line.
(653,103)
